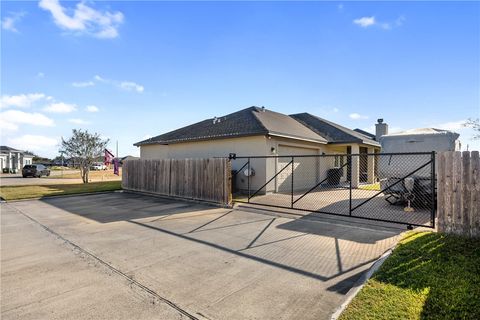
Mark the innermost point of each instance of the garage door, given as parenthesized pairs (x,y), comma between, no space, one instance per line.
(305,169)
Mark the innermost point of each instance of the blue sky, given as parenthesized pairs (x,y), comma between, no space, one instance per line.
(131,70)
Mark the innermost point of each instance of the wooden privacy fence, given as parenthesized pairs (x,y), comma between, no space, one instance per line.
(196,179)
(458,193)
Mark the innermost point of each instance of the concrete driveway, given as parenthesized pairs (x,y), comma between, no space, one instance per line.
(196,261)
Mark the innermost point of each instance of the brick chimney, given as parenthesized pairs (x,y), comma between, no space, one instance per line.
(381,129)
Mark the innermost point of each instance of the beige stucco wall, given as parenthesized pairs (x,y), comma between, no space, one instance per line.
(308,171)
(242,146)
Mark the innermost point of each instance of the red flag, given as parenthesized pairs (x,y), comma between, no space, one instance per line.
(108,157)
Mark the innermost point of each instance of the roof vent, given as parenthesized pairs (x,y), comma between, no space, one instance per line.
(216,120)
(263,109)
(380,120)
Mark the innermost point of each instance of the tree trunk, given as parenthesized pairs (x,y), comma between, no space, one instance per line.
(84,173)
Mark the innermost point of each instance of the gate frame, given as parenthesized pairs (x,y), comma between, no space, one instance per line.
(433,185)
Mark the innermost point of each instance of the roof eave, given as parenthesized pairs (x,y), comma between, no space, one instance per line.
(274,134)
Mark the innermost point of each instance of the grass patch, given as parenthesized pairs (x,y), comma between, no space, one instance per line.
(92,176)
(428,276)
(59,168)
(373,187)
(27,192)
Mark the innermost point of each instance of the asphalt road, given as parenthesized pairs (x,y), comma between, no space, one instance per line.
(18,180)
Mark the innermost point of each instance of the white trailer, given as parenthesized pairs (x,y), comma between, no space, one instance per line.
(392,168)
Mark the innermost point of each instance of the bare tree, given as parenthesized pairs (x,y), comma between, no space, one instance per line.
(84,148)
(475,125)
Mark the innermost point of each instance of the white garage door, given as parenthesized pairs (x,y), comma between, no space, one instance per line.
(305,169)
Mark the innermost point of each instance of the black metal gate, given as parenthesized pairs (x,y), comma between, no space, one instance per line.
(388,187)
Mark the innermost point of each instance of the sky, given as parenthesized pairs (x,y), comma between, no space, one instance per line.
(132,70)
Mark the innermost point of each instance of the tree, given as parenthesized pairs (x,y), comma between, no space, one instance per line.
(84,148)
(475,125)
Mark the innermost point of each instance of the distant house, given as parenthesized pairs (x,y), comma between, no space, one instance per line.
(128,158)
(13,159)
(257,131)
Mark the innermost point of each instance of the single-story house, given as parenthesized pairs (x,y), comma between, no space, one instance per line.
(257,131)
(14,159)
(127,158)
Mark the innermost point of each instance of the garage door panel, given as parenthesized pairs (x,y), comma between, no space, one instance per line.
(305,169)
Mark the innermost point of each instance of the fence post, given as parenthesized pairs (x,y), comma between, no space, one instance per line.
(350,184)
(432,188)
(291,198)
(475,194)
(248,179)
(441,192)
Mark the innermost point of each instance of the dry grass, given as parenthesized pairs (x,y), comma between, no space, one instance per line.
(36,191)
(101,175)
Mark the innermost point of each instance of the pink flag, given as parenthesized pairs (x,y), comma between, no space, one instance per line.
(108,157)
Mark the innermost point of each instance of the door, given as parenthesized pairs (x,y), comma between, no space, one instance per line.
(305,172)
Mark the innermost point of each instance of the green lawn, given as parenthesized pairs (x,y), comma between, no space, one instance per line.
(428,276)
(26,192)
(373,187)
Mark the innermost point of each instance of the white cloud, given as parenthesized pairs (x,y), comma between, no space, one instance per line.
(340,7)
(7,126)
(357,116)
(78,121)
(124,85)
(84,19)
(131,86)
(33,142)
(40,75)
(20,117)
(365,22)
(98,78)
(92,108)
(83,84)
(60,107)
(21,100)
(8,22)
(336,110)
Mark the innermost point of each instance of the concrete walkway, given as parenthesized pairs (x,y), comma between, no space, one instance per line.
(211,262)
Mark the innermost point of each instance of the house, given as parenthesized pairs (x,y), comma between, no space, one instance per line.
(128,158)
(257,131)
(12,159)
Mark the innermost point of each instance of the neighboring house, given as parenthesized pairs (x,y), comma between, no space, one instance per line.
(14,159)
(128,158)
(258,132)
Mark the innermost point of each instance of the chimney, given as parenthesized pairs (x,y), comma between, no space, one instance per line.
(381,129)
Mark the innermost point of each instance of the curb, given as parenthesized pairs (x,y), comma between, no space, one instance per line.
(361,283)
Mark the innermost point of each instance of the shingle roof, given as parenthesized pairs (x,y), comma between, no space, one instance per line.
(247,122)
(332,132)
(8,149)
(365,133)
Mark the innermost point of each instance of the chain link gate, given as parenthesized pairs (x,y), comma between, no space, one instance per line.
(387,187)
